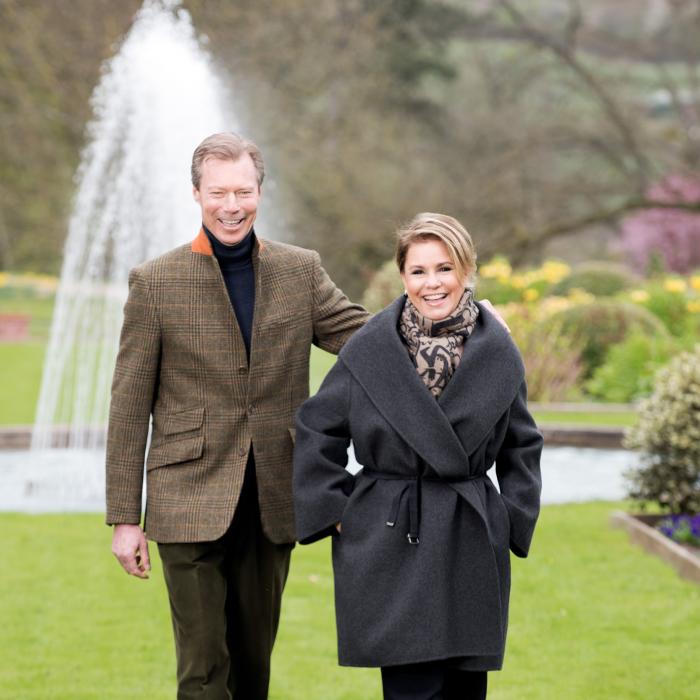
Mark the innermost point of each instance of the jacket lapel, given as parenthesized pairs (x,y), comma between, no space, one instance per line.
(267,295)
(201,246)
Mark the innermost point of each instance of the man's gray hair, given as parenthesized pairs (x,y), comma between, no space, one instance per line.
(225,146)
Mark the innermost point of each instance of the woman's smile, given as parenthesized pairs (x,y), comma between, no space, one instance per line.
(431,279)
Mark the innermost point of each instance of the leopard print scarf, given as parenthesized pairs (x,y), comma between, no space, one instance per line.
(436,346)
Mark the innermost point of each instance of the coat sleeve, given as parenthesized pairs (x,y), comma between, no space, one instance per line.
(518,472)
(133,391)
(335,317)
(320,456)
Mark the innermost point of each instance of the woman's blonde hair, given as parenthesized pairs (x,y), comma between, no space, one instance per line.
(448,230)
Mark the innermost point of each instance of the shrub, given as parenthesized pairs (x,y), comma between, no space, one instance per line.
(668,435)
(598,278)
(667,300)
(384,287)
(597,326)
(551,375)
(497,291)
(495,282)
(501,285)
(629,368)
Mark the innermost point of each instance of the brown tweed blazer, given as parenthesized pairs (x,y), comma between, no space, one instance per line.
(182,362)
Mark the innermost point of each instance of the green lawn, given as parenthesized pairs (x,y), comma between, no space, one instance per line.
(39,309)
(586,418)
(20,380)
(591,617)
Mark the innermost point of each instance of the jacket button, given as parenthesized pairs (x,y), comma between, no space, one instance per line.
(241,369)
(241,452)
(251,408)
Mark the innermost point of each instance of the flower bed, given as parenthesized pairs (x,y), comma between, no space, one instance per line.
(643,530)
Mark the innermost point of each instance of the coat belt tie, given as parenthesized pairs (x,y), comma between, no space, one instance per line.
(413,492)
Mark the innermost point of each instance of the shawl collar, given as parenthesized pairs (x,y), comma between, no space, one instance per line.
(480,391)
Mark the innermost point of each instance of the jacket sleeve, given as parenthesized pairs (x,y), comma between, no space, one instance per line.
(335,317)
(518,472)
(133,392)
(320,456)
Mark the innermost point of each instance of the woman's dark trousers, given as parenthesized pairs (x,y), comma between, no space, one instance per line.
(432,681)
(225,601)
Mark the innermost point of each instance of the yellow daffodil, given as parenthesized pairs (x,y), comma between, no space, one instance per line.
(639,296)
(580,296)
(498,268)
(554,271)
(675,285)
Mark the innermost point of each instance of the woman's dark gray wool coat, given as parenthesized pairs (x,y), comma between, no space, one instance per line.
(422,567)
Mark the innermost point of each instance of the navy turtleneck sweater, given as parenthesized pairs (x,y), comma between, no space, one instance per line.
(236,263)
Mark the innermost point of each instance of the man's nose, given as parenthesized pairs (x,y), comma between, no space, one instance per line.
(231,202)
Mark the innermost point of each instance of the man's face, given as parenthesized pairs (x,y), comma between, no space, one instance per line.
(228,195)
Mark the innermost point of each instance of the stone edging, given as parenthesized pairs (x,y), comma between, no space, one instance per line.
(601,437)
(19,437)
(682,560)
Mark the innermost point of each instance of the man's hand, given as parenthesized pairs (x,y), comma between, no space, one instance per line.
(494,313)
(130,547)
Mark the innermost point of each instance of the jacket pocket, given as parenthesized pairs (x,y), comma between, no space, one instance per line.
(183,421)
(175,452)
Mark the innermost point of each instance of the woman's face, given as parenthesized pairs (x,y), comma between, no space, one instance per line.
(431,280)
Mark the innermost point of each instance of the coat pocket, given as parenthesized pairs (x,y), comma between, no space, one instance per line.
(183,421)
(175,452)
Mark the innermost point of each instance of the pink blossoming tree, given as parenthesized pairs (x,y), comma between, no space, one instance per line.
(672,235)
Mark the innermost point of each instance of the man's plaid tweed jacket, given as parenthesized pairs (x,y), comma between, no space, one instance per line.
(182,360)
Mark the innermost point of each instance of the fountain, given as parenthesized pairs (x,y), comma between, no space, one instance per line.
(157,99)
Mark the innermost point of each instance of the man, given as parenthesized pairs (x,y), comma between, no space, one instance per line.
(215,348)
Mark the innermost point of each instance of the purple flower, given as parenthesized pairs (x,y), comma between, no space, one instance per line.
(682,528)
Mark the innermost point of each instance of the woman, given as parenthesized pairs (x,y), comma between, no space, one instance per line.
(432,393)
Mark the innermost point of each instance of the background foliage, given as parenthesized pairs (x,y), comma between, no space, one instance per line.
(536,122)
(668,435)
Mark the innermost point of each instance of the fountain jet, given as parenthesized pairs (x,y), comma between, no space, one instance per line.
(157,99)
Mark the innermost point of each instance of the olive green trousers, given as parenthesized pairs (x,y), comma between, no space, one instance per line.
(225,599)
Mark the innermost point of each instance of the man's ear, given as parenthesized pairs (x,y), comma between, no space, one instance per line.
(195,193)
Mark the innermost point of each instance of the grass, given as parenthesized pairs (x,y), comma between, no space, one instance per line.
(39,309)
(20,379)
(21,362)
(587,418)
(591,617)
